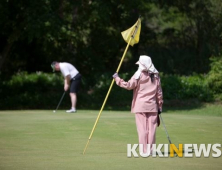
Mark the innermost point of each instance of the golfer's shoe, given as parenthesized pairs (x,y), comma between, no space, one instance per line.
(71,111)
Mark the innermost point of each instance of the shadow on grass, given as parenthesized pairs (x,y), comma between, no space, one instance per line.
(168,105)
(175,154)
(182,105)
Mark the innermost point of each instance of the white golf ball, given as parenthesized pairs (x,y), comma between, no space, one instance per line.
(54,111)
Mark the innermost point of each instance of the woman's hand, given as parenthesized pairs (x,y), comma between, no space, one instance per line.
(115,75)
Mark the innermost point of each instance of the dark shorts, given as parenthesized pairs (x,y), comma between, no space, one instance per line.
(75,83)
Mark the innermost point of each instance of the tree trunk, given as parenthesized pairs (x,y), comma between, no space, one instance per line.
(4,54)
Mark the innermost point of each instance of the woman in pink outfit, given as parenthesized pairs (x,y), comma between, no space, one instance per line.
(147,100)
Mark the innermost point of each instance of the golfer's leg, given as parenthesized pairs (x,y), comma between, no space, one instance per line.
(74,87)
(141,129)
(73,97)
(152,124)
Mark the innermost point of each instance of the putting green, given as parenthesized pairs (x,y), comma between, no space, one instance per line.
(46,140)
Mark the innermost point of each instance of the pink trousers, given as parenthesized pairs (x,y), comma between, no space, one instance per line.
(146,127)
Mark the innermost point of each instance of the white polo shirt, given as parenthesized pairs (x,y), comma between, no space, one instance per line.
(68,69)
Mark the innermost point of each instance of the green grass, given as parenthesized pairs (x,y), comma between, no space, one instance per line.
(42,139)
(197,109)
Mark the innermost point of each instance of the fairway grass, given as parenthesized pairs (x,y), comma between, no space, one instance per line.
(41,139)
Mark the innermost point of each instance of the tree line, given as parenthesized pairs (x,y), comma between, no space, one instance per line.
(180,36)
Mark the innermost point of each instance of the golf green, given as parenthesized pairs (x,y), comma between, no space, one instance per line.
(41,139)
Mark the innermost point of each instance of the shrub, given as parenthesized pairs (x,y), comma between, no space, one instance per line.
(30,91)
(214,78)
(43,91)
(186,87)
(195,86)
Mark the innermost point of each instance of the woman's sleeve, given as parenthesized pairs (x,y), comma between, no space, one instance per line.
(159,95)
(131,84)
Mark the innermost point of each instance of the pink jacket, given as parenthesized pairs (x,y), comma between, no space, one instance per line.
(147,96)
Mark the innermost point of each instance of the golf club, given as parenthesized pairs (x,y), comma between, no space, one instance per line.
(60,101)
(165,129)
(168,137)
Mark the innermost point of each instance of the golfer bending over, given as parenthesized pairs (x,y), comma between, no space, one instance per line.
(147,100)
(72,80)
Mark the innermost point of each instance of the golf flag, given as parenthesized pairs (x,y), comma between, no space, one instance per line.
(131,36)
(132,31)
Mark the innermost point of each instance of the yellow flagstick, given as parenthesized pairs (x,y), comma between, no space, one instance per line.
(128,38)
(103,104)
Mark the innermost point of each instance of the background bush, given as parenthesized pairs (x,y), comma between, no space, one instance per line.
(186,87)
(214,78)
(43,91)
(30,91)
